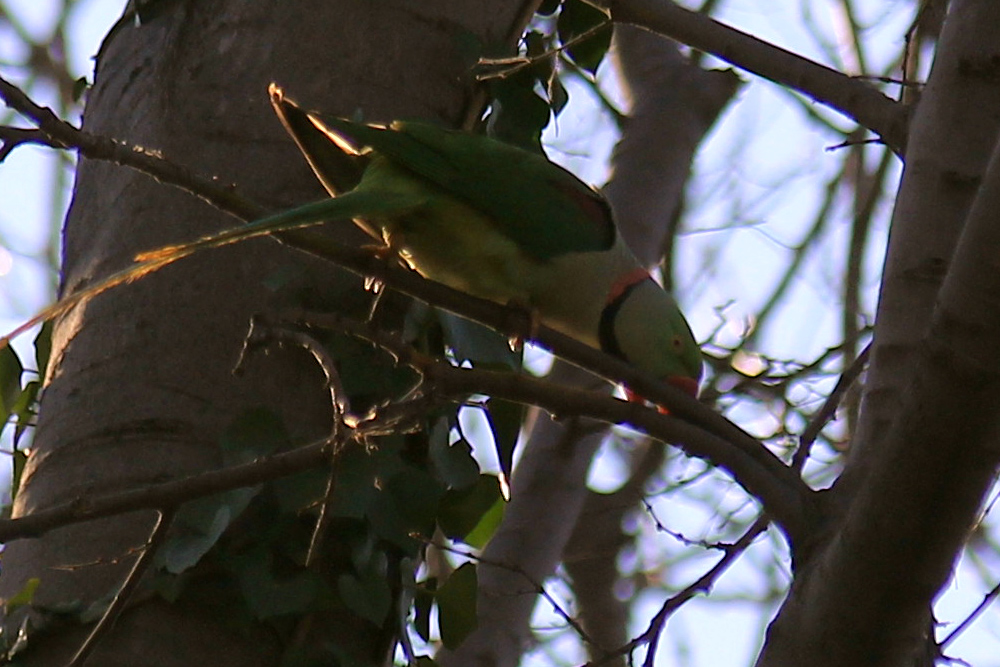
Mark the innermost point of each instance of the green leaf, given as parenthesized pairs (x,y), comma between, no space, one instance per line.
(505,419)
(369,598)
(575,19)
(20,461)
(558,96)
(453,461)
(24,408)
(200,523)
(369,376)
(423,600)
(268,595)
(463,510)
(518,114)
(456,601)
(254,433)
(471,341)
(406,508)
(43,348)
(305,489)
(487,526)
(469,47)
(23,597)
(359,474)
(197,527)
(10,380)
(79,88)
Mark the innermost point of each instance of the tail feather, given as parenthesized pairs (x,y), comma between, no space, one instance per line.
(349,205)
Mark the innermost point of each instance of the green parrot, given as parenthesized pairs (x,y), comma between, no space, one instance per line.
(507,225)
(489,219)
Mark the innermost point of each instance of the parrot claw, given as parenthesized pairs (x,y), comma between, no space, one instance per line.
(374,284)
(384,253)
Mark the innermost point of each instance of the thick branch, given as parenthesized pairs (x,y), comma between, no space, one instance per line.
(12,137)
(854,98)
(792,515)
(166,494)
(784,495)
(147,161)
(922,495)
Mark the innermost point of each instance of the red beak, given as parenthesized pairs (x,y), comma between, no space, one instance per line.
(687,384)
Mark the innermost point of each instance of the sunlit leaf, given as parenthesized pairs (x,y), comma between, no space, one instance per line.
(463,511)
(23,597)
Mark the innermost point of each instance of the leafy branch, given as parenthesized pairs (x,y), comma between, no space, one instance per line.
(703,432)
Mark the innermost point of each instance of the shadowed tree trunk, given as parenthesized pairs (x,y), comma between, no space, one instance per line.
(141,383)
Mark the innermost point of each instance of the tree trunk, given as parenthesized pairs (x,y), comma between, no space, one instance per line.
(927,446)
(140,386)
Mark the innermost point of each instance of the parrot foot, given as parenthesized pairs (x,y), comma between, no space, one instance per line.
(384,254)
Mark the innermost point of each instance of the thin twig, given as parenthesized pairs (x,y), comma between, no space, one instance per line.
(514,64)
(537,587)
(165,494)
(650,637)
(12,137)
(703,584)
(785,496)
(262,334)
(976,613)
(828,409)
(851,97)
(118,603)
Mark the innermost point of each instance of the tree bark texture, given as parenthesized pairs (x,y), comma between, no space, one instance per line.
(140,385)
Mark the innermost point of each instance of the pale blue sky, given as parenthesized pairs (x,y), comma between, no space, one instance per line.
(777,176)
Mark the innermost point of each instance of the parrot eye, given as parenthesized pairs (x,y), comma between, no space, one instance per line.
(676,342)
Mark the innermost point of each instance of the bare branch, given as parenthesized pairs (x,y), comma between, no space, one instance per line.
(783,493)
(63,134)
(987,600)
(12,137)
(118,603)
(166,494)
(650,637)
(852,97)
(829,408)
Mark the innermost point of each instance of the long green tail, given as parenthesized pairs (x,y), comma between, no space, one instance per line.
(354,204)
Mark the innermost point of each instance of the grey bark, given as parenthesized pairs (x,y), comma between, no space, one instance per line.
(140,385)
(928,448)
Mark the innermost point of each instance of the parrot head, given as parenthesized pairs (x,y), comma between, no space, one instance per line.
(642,325)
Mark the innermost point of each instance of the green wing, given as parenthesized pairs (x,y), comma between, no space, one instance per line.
(337,170)
(545,209)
